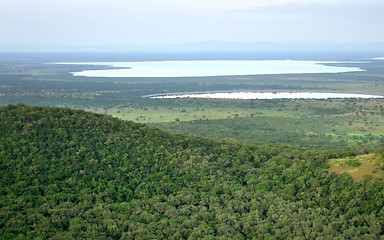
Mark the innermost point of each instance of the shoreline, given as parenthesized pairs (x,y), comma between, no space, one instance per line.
(210,68)
(264,95)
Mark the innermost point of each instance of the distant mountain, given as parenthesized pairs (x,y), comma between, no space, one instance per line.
(215,46)
(294,46)
(69,174)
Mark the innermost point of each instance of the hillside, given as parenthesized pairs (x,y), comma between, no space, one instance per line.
(71,174)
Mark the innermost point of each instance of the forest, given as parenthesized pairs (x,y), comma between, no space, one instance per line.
(72,174)
(97,158)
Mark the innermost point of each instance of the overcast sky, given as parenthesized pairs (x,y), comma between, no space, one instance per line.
(140,22)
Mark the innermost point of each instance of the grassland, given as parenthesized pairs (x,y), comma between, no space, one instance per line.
(361,167)
(310,123)
(316,123)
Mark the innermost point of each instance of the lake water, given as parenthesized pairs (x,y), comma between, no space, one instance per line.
(208,68)
(267,95)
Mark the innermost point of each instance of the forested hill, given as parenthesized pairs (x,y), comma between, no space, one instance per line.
(68,174)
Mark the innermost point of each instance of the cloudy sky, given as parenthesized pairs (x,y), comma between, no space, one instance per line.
(31,23)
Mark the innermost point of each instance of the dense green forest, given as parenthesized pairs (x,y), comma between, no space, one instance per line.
(71,174)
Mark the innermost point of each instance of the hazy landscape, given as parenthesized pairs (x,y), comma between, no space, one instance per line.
(246,119)
(348,120)
(207,68)
(344,134)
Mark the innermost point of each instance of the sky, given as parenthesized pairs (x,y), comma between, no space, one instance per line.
(29,24)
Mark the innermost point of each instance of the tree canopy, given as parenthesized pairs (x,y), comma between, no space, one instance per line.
(71,174)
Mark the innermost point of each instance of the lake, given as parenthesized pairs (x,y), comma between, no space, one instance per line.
(201,68)
(267,95)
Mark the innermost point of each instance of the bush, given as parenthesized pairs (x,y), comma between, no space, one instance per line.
(354,162)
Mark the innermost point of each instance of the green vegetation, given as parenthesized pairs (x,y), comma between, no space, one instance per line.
(310,123)
(354,162)
(268,169)
(70,174)
(361,167)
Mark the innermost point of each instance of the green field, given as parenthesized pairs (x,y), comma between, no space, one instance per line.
(309,123)
(303,122)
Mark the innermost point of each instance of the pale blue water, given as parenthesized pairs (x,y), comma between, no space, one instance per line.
(268,95)
(208,68)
